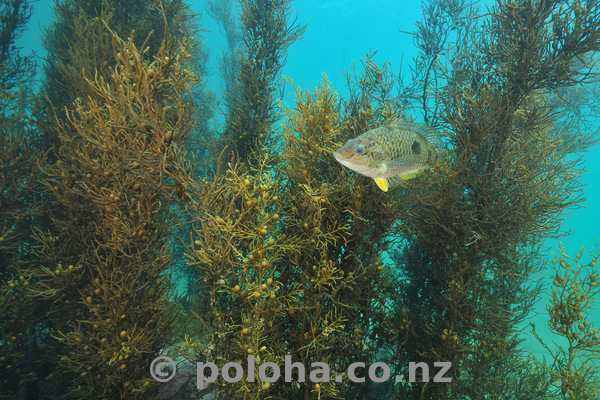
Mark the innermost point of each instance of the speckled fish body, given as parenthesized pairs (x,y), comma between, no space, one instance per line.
(391,153)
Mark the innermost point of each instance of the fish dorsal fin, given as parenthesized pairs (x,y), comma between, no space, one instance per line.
(382,183)
(428,132)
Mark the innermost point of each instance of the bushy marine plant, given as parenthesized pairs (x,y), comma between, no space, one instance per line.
(78,42)
(267,33)
(103,267)
(224,13)
(573,372)
(473,225)
(278,247)
(20,201)
(291,257)
(79,45)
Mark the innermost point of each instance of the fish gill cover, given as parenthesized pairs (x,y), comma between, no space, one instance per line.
(114,189)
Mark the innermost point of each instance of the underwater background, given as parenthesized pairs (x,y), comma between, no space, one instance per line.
(340,33)
(210,258)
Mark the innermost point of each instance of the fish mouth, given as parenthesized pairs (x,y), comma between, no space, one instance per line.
(361,169)
(343,160)
(338,156)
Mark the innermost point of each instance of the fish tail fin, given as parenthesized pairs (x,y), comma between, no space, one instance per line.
(443,154)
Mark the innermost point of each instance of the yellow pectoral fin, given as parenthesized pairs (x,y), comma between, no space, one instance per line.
(386,184)
(382,183)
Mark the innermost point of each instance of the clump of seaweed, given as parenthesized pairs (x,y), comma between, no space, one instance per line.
(291,254)
(271,241)
(473,225)
(20,203)
(574,370)
(229,62)
(343,230)
(107,256)
(19,208)
(267,33)
(14,67)
(79,45)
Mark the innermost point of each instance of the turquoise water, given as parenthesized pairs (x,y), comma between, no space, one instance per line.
(340,33)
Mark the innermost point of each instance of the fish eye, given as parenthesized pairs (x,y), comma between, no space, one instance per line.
(360,149)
